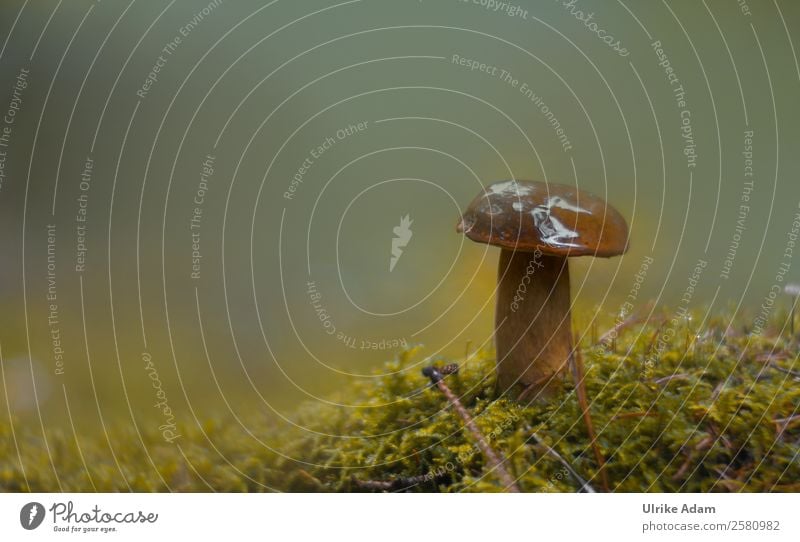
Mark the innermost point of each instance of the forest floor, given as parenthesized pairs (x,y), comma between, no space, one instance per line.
(672,409)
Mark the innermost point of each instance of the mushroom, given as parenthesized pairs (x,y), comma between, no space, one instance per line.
(538,226)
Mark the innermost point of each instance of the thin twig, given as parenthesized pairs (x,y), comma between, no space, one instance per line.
(491,456)
(779,355)
(781,424)
(580,389)
(788,419)
(655,336)
(683,469)
(399,484)
(769,360)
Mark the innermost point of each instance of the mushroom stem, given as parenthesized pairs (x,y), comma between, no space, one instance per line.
(532,323)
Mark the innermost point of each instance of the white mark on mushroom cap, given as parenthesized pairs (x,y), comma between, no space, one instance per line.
(553,231)
(509,188)
(561,203)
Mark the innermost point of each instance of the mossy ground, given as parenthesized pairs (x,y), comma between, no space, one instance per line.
(711,412)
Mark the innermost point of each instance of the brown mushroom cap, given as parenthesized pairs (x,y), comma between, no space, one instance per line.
(556,219)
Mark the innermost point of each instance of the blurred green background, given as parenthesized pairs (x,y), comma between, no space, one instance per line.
(260,86)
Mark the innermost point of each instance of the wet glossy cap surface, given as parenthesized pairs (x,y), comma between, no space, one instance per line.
(556,219)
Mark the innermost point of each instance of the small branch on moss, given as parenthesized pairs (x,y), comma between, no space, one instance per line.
(770,359)
(683,469)
(705,444)
(781,424)
(585,486)
(401,483)
(651,344)
(580,389)
(492,457)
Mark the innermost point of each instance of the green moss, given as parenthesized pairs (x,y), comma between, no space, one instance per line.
(688,414)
